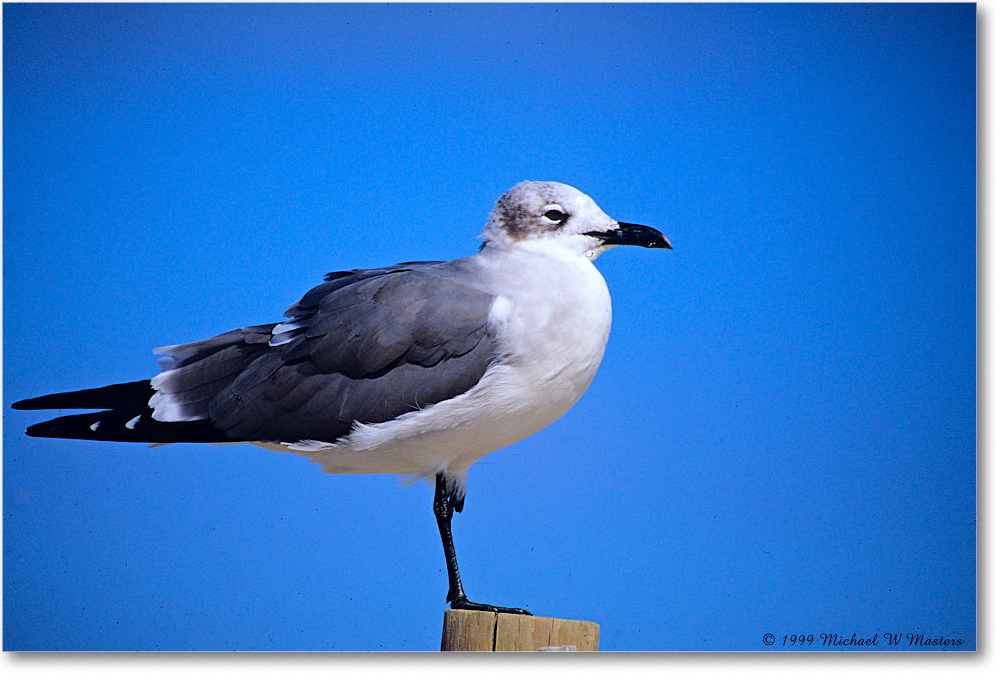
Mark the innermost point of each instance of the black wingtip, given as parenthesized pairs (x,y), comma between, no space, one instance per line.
(73,426)
(37,403)
(126,417)
(131,395)
(41,430)
(116,425)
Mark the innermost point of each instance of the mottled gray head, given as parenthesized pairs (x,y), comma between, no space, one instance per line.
(545,210)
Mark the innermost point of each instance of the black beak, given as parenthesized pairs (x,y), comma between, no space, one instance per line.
(628,234)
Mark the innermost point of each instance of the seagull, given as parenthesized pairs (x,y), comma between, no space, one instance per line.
(419,369)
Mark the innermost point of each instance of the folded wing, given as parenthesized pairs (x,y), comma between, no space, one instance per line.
(365,346)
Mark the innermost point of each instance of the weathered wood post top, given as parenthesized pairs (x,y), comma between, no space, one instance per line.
(470,631)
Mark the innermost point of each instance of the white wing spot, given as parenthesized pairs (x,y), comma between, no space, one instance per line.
(278,336)
(165,409)
(93,427)
(132,422)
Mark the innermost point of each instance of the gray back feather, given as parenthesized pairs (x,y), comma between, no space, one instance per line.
(365,346)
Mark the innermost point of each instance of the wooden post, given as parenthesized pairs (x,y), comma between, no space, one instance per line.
(468,631)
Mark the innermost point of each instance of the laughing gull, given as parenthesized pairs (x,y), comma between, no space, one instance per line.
(418,369)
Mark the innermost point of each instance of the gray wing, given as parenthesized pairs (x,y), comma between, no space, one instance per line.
(366,346)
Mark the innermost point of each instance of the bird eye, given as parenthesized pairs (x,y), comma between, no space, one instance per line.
(556,216)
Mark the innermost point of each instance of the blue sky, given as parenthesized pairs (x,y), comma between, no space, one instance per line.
(781,438)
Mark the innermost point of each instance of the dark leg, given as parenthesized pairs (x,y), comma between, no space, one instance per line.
(445,505)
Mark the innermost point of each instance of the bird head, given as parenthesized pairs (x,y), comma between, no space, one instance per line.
(559,215)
